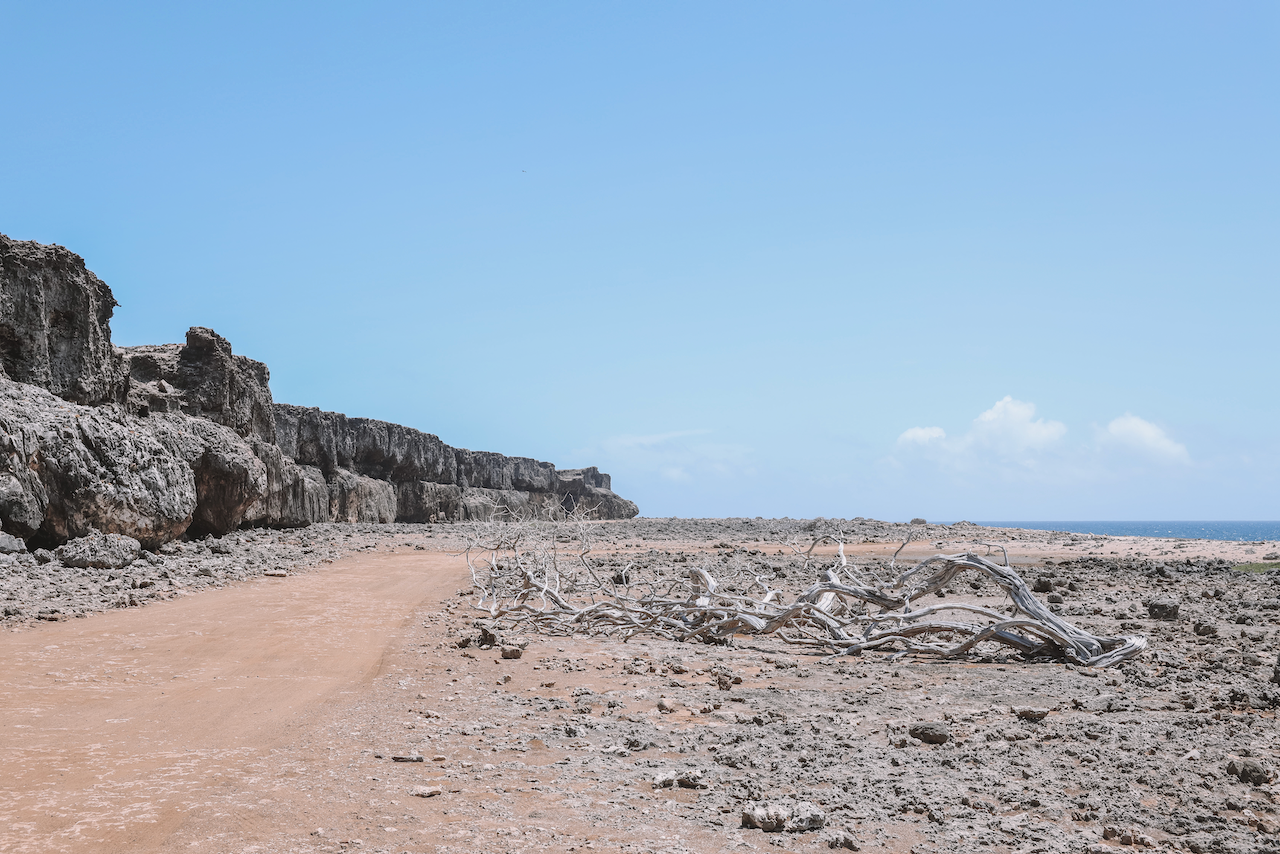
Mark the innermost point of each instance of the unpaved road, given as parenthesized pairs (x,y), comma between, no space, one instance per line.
(163,728)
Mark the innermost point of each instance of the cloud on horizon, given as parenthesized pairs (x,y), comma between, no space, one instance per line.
(1010,440)
(1137,434)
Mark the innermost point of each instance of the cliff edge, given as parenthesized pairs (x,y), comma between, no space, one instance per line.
(158,441)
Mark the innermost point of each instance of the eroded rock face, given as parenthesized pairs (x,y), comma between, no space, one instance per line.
(434,481)
(55,323)
(229,477)
(202,378)
(356,498)
(156,441)
(296,495)
(69,469)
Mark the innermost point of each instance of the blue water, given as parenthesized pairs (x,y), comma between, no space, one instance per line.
(1243,531)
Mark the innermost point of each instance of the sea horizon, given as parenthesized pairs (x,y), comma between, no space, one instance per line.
(1238,531)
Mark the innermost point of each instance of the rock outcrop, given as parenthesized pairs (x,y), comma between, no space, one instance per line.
(201,378)
(55,320)
(69,469)
(154,442)
(433,481)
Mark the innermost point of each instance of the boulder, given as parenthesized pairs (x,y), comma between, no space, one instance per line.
(1163,609)
(931,732)
(1249,771)
(100,551)
(591,489)
(202,378)
(800,817)
(356,498)
(11,545)
(55,323)
(296,495)
(229,477)
(70,469)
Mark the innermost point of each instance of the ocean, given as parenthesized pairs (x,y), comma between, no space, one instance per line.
(1240,531)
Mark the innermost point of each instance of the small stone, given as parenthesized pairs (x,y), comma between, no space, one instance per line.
(843,839)
(1031,713)
(512,652)
(99,551)
(667,706)
(805,817)
(1206,630)
(931,732)
(1163,609)
(664,780)
(1249,771)
(769,817)
(409,758)
(11,545)
(691,780)
(426,791)
(276,573)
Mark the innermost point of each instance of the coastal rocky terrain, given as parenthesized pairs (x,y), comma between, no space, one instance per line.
(160,442)
(236,625)
(475,738)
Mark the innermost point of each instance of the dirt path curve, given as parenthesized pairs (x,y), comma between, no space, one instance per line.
(125,730)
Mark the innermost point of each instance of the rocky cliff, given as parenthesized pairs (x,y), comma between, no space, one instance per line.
(155,442)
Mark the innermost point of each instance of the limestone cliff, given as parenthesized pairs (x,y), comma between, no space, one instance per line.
(157,441)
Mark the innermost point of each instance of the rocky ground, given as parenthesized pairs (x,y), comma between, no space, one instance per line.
(653,745)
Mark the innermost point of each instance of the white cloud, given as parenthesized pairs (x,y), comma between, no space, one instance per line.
(1007,433)
(921,435)
(1011,429)
(1141,435)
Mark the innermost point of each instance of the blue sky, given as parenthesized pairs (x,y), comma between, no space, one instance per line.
(984,261)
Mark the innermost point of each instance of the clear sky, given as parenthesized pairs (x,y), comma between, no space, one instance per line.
(953,260)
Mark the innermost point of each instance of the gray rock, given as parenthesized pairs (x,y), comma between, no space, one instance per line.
(229,477)
(1031,713)
(433,480)
(295,495)
(805,817)
(1249,771)
(931,732)
(68,469)
(10,544)
(769,817)
(55,323)
(99,551)
(202,378)
(1163,609)
(356,498)
(844,839)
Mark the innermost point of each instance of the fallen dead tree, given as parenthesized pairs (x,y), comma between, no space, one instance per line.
(536,576)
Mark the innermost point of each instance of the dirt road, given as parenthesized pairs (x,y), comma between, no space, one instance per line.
(168,727)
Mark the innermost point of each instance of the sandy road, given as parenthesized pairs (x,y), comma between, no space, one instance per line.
(153,729)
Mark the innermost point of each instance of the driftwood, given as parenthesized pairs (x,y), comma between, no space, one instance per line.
(536,576)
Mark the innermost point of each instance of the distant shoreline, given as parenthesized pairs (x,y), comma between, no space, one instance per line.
(1195,530)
